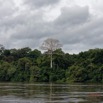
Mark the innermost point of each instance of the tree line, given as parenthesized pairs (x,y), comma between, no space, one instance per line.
(27,65)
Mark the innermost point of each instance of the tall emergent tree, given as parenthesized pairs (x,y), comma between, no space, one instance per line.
(51,45)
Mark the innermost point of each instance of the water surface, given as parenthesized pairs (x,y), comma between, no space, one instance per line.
(50,93)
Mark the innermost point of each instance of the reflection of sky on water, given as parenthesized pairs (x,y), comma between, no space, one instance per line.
(13,99)
(50,93)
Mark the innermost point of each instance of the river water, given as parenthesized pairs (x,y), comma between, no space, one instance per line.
(50,93)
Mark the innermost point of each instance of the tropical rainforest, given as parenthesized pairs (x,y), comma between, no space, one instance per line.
(27,65)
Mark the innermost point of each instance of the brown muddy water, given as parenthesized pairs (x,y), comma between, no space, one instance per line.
(50,93)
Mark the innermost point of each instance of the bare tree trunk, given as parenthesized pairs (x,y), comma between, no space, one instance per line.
(51,61)
(50,45)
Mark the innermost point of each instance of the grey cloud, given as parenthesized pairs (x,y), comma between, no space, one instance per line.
(82,35)
(40,3)
(32,43)
(31,29)
(89,35)
(11,22)
(7,8)
(68,24)
(73,16)
(75,28)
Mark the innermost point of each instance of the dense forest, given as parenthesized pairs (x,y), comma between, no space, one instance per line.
(27,65)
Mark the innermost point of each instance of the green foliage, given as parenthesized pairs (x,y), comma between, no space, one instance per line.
(76,74)
(34,73)
(6,71)
(34,54)
(26,65)
(87,67)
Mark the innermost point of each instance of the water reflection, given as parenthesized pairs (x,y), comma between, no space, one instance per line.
(50,93)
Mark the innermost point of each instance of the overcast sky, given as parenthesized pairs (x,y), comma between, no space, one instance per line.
(77,24)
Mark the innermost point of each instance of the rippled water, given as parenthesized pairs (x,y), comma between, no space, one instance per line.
(50,93)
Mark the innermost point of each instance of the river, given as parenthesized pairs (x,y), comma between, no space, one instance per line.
(50,93)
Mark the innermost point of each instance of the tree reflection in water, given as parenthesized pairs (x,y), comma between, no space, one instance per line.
(50,93)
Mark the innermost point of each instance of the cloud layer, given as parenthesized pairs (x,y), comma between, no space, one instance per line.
(77,26)
(39,3)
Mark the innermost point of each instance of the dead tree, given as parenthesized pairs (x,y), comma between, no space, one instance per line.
(51,45)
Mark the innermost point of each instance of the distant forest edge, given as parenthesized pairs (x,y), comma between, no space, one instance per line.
(27,65)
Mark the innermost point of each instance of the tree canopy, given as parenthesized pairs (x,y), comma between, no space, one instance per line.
(27,65)
(51,44)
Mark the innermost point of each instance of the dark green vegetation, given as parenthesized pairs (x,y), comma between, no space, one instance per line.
(26,65)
